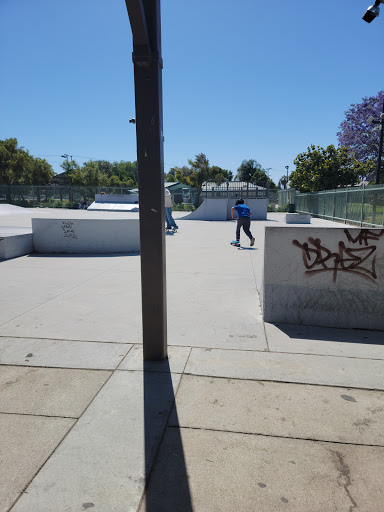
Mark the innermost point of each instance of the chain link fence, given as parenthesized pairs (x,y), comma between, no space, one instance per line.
(363,206)
(54,196)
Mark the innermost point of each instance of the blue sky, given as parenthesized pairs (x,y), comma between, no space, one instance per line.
(241,80)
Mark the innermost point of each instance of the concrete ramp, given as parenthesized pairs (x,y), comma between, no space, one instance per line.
(115,203)
(220,209)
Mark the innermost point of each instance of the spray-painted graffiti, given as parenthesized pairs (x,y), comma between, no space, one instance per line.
(356,260)
(68,229)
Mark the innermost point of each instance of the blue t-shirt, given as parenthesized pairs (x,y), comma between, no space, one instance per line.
(242,210)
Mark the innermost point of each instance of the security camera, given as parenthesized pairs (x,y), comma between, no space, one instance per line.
(372,12)
(133,121)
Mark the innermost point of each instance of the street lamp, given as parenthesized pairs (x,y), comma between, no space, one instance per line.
(373,11)
(287,167)
(372,120)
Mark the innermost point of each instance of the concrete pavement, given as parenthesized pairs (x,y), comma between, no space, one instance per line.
(243,416)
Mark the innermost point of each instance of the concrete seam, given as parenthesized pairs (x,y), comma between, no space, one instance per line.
(283,382)
(275,436)
(38,415)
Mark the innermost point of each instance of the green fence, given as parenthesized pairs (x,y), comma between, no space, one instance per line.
(363,206)
(54,196)
(286,197)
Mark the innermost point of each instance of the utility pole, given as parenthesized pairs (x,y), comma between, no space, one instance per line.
(144,17)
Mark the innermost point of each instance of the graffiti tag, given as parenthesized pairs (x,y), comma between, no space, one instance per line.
(348,258)
(68,229)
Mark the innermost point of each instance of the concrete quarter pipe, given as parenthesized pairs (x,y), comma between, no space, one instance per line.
(220,209)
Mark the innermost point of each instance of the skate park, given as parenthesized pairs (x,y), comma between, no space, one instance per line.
(76,393)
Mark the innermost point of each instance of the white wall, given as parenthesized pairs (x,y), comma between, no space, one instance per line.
(337,290)
(87,236)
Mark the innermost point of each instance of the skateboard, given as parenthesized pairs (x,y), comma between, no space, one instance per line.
(235,243)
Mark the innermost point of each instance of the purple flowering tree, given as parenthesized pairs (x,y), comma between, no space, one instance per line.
(360,137)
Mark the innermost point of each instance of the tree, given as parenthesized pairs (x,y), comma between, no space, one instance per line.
(283,182)
(323,169)
(360,137)
(18,167)
(73,171)
(219,175)
(93,176)
(199,172)
(196,174)
(250,170)
(126,172)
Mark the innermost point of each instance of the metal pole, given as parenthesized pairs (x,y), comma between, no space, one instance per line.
(145,22)
(380,148)
(346,208)
(362,207)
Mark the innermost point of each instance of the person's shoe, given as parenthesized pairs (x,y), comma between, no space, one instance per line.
(252,241)
(175,227)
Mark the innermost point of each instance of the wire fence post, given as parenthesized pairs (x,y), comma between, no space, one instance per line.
(362,207)
(346,207)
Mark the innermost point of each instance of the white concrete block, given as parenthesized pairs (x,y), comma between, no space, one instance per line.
(332,277)
(14,244)
(298,218)
(86,236)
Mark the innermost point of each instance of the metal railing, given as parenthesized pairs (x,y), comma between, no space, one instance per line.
(239,189)
(363,206)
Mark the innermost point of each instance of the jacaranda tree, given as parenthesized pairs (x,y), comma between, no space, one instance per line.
(360,137)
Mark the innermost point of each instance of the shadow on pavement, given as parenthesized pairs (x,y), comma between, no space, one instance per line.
(332,334)
(167,487)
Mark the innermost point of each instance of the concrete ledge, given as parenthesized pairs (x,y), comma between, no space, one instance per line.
(15,242)
(86,236)
(332,277)
(298,218)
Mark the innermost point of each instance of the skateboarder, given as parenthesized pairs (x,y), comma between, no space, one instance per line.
(244,221)
(171,224)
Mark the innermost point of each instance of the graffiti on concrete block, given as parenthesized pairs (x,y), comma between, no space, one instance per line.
(68,229)
(356,257)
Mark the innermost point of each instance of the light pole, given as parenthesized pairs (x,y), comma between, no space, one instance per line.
(287,167)
(67,156)
(145,20)
(373,11)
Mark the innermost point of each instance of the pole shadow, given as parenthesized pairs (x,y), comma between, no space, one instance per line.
(166,478)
